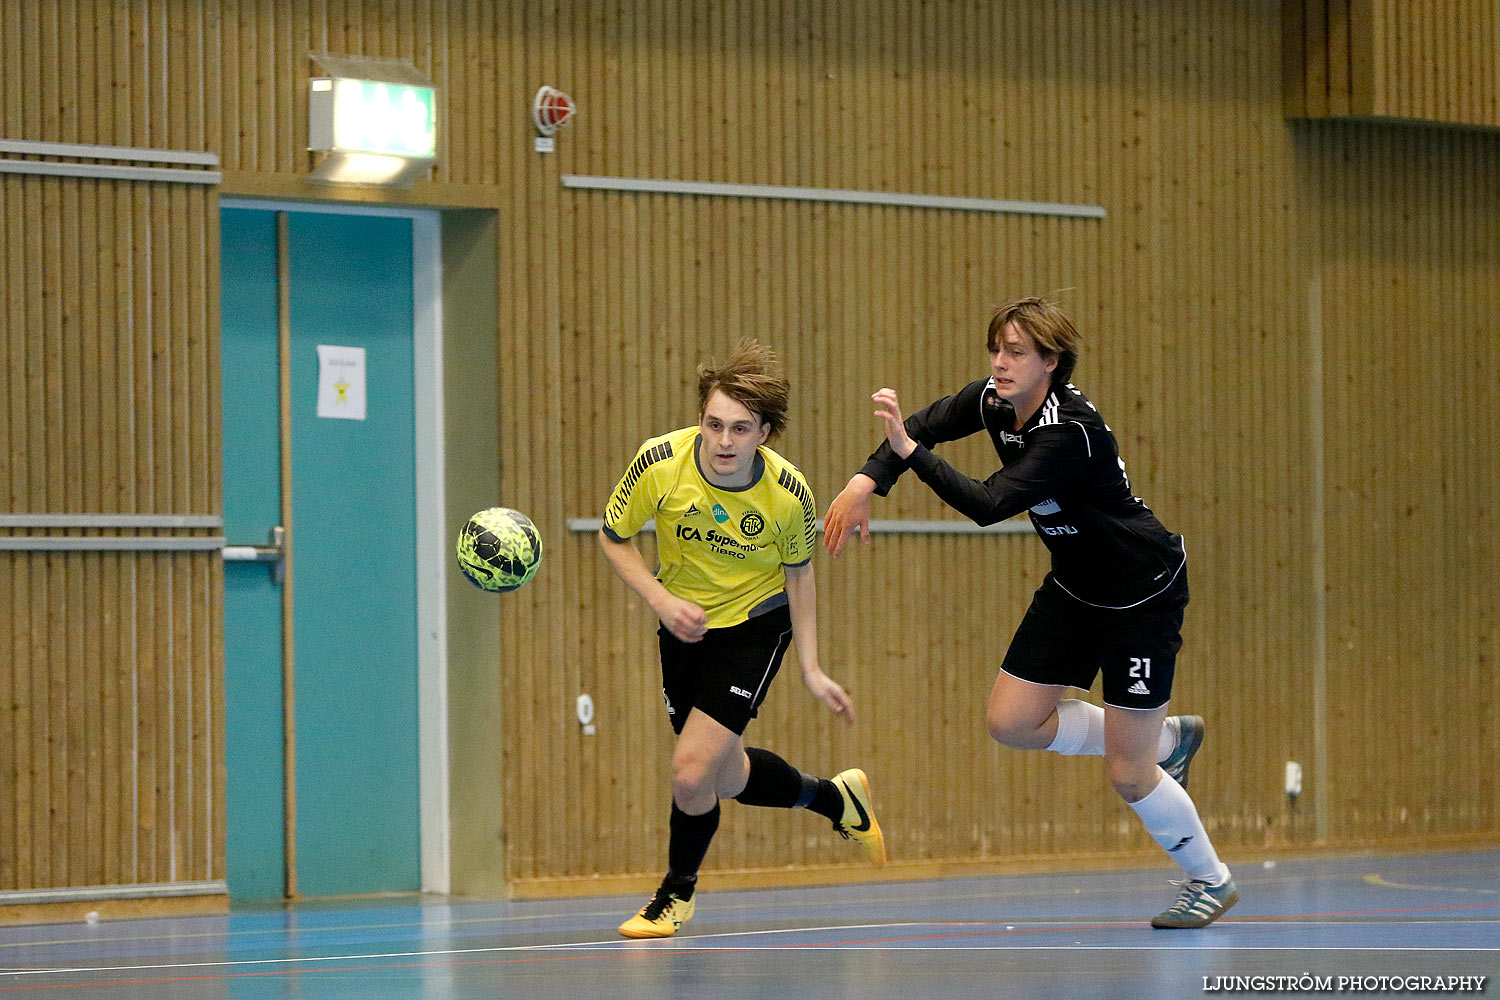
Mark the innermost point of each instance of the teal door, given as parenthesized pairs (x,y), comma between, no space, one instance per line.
(353,568)
(252,598)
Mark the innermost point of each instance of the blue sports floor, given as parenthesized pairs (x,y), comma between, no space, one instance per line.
(1065,936)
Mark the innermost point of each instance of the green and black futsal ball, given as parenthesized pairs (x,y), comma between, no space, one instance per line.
(499,549)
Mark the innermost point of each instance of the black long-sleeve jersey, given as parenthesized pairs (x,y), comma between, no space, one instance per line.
(1064,467)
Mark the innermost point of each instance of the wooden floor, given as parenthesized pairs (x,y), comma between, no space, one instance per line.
(1065,936)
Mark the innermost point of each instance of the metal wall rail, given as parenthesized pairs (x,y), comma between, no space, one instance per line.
(114,171)
(143,890)
(650,185)
(95,543)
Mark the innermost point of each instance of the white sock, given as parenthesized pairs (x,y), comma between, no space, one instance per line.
(1172,820)
(1166,742)
(1080,729)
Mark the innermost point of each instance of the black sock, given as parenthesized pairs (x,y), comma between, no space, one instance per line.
(775,783)
(827,801)
(680,886)
(687,844)
(772,782)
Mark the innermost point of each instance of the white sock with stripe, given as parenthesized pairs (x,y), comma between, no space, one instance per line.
(1172,820)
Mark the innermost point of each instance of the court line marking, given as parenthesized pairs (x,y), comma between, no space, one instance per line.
(598,954)
(1032,925)
(588,948)
(724,907)
(601,953)
(727,906)
(496,949)
(691,944)
(1123,921)
(1385,883)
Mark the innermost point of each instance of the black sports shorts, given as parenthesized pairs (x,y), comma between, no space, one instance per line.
(726,674)
(1065,641)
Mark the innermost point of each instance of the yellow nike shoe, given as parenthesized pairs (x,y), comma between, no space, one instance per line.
(659,918)
(858,822)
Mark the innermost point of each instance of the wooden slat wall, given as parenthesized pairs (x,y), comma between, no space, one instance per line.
(110,657)
(1442,61)
(112,772)
(1408,244)
(1193,296)
(1401,59)
(1327,54)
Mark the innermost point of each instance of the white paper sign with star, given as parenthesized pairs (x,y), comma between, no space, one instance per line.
(341,382)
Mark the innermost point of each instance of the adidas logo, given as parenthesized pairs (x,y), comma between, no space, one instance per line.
(1139,687)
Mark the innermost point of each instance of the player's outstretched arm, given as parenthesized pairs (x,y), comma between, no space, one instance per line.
(888,411)
(684,619)
(849,510)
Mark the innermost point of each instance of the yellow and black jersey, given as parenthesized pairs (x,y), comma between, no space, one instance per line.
(722,549)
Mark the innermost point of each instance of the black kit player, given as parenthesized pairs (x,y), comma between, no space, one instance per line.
(1113,601)
(736,531)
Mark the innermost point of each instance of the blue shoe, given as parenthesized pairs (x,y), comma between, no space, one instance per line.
(1189,738)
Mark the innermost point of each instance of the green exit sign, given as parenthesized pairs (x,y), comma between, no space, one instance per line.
(371,116)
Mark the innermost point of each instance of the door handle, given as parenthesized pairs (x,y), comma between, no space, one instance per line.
(272,552)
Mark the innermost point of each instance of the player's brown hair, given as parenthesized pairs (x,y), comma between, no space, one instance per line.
(1047,325)
(751,375)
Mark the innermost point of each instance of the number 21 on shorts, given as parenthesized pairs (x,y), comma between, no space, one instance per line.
(1140,666)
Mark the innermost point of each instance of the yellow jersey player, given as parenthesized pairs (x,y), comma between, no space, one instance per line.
(735,528)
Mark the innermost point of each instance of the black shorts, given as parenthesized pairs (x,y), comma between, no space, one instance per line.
(1066,642)
(726,674)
